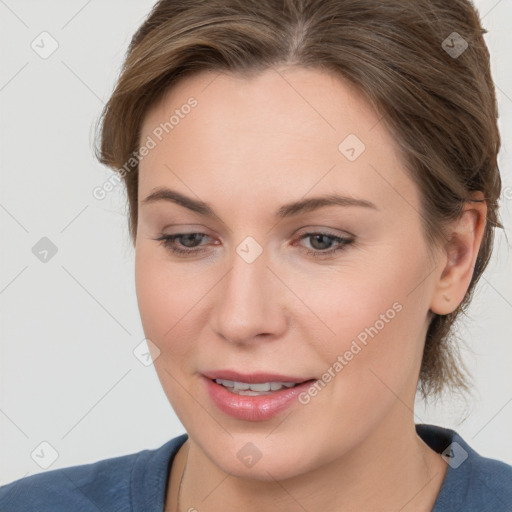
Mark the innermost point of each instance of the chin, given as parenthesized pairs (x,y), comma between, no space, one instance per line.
(257,457)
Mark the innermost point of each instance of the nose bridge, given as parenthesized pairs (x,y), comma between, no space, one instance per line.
(246,302)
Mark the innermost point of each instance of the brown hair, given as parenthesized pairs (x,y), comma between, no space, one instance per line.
(437,99)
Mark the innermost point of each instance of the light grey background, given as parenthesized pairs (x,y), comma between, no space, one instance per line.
(68,327)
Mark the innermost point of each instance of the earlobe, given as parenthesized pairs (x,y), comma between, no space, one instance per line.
(459,258)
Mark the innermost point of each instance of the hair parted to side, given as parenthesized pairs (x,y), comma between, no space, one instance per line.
(441,109)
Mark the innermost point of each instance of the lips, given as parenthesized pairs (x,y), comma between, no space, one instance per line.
(253,406)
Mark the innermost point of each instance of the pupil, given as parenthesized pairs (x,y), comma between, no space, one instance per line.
(190,238)
(316,237)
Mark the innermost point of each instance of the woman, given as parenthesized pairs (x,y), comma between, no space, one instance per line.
(313,190)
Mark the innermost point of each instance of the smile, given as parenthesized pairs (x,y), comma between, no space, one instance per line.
(254,389)
(254,401)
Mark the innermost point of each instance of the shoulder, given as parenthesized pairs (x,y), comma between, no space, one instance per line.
(71,488)
(472,482)
(491,484)
(107,484)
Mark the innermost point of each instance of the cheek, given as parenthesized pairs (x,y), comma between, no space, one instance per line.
(166,311)
(375,326)
(351,304)
(163,303)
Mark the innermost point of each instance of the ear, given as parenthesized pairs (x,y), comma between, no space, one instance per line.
(459,257)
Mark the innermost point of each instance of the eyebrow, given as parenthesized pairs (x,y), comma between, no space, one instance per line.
(288,210)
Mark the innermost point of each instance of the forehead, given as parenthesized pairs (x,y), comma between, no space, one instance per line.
(285,131)
(309,101)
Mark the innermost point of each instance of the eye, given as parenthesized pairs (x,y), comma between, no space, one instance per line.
(189,239)
(320,240)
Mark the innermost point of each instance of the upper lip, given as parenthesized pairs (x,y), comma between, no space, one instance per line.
(252,378)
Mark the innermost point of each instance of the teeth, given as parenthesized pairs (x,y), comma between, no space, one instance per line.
(244,388)
(265,386)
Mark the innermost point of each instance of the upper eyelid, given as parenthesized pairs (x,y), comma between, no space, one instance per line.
(325,231)
(302,231)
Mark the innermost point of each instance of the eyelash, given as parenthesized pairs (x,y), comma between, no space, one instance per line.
(167,242)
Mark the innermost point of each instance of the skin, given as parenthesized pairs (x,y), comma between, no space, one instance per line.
(250,146)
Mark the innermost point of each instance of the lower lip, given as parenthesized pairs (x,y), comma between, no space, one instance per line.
(254,408)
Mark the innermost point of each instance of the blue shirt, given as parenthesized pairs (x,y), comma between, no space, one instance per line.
(137,482)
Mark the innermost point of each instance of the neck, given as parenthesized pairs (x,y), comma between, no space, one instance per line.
(393,469)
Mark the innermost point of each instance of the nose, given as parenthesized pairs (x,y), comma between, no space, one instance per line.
(248,302)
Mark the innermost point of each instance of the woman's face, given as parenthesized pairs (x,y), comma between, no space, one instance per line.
(337,294)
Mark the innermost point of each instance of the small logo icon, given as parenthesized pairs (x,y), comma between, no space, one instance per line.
(249,249)
(44,45)
(249,455)
(351,147)
(454,45)
(146,352)
(454,455)
(44,455)
(44,250)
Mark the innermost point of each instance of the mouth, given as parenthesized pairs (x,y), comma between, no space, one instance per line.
(256,388)
(256,383)
(256,396)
